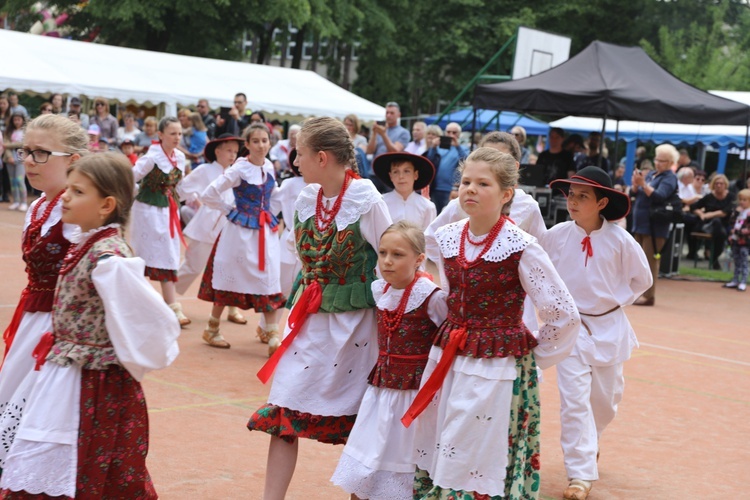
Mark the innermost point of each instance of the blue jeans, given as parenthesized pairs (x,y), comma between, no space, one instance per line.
(740,254)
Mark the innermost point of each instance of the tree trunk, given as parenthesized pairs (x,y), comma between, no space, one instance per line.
(284,45)
(345,82)
(265,38)
(299,40)
(315,53)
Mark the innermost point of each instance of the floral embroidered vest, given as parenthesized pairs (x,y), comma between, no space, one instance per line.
(403,357)
(251,200)
(78,319)
(343,262)
(492,310)
(43,259)
(154,188)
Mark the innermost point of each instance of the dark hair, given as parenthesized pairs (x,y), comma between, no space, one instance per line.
(259,113)
(238,94)
(112,175)
(166,121)
(503,138)
(558,131)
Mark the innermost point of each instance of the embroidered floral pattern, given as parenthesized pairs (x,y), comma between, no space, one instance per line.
(290,425)
(251,200)
(43,259)
(156,186)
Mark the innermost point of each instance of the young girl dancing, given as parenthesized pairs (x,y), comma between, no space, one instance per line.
(377,460)
(84,431)
(479,436)
(50,145)
(243,269)
(156,231)
(331,329)
(206,223)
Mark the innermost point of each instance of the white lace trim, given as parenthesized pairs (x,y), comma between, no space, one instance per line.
(355,477)
(359,198)
(79,237)
(510,240)
(390,299)
(36,468)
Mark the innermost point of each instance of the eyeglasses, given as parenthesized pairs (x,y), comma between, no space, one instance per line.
(99,104)
(38,155)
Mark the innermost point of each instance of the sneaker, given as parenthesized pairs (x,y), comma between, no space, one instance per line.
(741,287)
(23,207)
(731,284)
(13,206)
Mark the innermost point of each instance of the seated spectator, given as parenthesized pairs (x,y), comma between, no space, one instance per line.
(714,211)
(352,124)
(149,136)
(104,119)
(685,176)
(129,130)
(128,149)
(94,135)
(699,183)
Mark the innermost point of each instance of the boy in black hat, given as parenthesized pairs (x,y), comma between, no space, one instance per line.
(604,269)
(406,174)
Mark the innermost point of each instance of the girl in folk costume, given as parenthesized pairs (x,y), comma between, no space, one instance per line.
(51,144)
(320,381)
(206,223)
(377,461)
(84,431)
(479,437)
(156,231)
(406,174)
(243,269)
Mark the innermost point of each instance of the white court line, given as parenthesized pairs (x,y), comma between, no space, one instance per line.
(743,363)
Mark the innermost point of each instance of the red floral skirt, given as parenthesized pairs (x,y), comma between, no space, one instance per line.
(163,275)
(290,425)
(260,303)
(112,439)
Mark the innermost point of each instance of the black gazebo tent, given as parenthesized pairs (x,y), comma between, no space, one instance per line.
(621,83)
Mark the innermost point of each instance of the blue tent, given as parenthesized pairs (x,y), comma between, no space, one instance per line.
(503,121)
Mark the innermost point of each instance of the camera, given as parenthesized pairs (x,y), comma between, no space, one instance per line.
(445,142)
(381,123)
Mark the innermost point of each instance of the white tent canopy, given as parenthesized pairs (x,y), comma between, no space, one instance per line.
(43,65)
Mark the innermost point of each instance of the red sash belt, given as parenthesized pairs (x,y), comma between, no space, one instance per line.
(10,332)
(435,382)
(265,218)
(42,349)
(308,303)
(174,219)
(415,357)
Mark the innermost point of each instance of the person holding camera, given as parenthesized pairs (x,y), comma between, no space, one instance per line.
(387,136)
(446,155)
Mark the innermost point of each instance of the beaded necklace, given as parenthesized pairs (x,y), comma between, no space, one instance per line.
(35,226)
(487,241)
(76,252)
(324,217)
(392,319)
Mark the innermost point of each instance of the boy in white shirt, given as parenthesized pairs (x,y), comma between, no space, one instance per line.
(406,174)
(604,269)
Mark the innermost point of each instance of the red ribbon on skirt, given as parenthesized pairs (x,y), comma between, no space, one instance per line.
(174,219)
(435,382)
(308,303)
(265,218)
(42,349)
(10,333)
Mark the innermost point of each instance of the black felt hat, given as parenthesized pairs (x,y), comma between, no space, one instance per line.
(210,151)
(381,165)
(619,203)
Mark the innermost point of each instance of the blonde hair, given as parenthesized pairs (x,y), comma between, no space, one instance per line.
(502,165)
(150,120)
(669,149)
(355,121)
(72,137)
(434,129)
(503,138)
(744,194)
(714,179)
(196,120)
(330,135)
(412,233)
(112,175)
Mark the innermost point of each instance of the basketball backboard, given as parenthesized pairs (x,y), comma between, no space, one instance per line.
(538,51)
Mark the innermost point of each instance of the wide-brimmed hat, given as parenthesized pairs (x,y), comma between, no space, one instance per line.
(210,151)
(292,166)
(381,165)
(619,203)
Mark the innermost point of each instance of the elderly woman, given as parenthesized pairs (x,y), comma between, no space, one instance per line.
(520,134)
(714,210)
(654,187)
